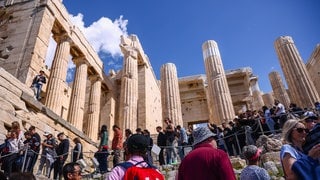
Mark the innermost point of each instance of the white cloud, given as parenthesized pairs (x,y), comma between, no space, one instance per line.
(104,37)
(104,34)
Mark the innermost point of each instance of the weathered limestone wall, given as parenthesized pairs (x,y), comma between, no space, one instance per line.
(149,102)
(25,32)
(299,82)
(313,67)
(17,104)
(239,86)
(194,104)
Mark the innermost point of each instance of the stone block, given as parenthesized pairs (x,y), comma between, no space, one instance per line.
(50,113)
(12,98)
(15,82)
(6,106)
(31,101)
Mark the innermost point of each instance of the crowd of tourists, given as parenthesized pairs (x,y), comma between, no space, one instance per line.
(203,152)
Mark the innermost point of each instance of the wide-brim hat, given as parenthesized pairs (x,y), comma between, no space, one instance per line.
(201,134)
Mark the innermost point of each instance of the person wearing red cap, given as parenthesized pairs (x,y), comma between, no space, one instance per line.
(252,155)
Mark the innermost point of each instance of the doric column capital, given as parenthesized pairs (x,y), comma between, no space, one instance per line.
(94,77)
(63,37)
(80,60)
(129,51)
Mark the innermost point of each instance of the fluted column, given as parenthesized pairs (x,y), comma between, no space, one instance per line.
(279,91)
(257,101)
(77,100)
(170,95)
(58,74)
(129,89)
(221,108)
(94,107)
(300,85)
(268,99)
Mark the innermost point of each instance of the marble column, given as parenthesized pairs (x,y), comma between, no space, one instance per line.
(257,101)
(129,89)
(170,94)
(94,107)
(279,91)
(58,74)
(221,107)
(77,99)
(300,85)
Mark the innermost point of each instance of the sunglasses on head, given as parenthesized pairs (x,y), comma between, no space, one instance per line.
(300,130)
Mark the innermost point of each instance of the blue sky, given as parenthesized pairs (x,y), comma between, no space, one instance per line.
(174,31)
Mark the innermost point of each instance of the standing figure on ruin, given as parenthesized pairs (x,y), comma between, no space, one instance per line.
(37,83)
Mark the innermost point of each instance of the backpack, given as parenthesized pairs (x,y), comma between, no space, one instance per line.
(132,172)
(312,138)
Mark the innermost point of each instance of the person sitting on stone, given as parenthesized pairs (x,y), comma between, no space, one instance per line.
(37,83)
(252,172)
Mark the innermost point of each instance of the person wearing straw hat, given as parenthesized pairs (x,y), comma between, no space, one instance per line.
(205,161)
(252,172)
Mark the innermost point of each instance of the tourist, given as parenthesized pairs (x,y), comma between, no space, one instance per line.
(161,142)
(280,112)
(13,147)
(205,161)
(310,122)
(170,137)
(116,144)
(34,134)
(48,154)
(252,172)
(148,158)
(127,134)
(182,141)
(71,171)
(104,137)
(37,83)
(230,140)
(62,155)
(137,147)
(294,134)
(32,144)
(139,131)
(77,153)
(103,151)
(268,118)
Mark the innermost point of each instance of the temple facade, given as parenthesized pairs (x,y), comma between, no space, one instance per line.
(130,98)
